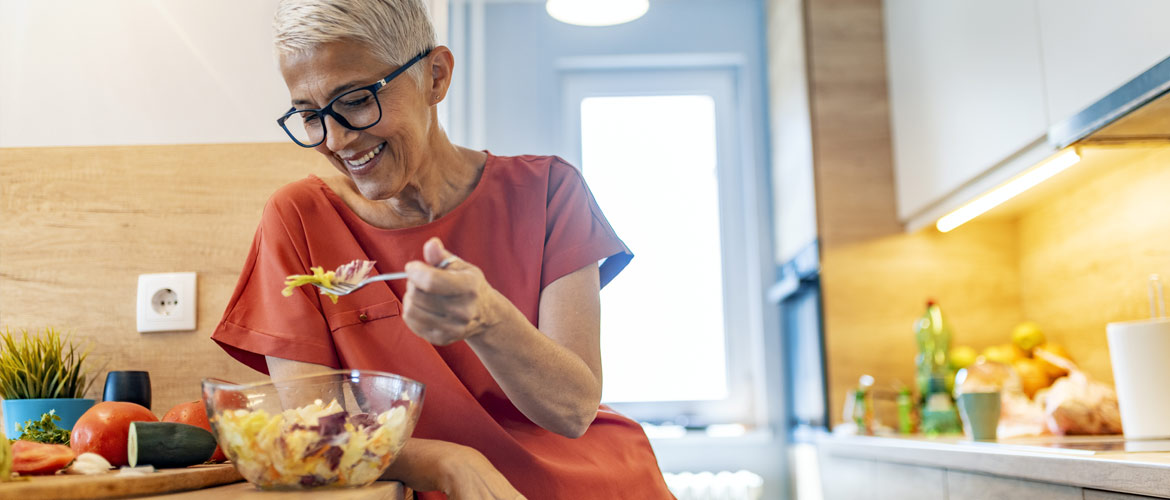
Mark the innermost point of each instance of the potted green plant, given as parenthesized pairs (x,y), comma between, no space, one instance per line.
(40,373)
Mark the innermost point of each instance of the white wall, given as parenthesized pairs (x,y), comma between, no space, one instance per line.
(138,72)
(80,72)
(793,188)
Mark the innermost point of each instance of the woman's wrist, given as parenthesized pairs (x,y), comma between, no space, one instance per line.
(491,316)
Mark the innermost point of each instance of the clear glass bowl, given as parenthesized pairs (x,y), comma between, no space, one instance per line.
(336,429)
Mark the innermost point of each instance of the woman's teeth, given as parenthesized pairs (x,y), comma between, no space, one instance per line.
(357,162)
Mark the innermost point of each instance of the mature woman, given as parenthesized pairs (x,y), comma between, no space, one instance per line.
(506,337)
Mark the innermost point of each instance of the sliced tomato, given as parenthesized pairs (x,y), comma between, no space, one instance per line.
(194,413)
(39,458)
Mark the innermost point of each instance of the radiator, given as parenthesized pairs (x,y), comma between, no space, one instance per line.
(742,485)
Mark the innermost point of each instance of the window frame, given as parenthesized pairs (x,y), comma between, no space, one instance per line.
(743,254)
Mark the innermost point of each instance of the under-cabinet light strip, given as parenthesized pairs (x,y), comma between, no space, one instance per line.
(1050,167)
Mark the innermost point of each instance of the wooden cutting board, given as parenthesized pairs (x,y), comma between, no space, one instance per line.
(112,485)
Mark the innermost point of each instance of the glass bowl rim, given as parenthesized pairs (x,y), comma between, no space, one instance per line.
(219,383)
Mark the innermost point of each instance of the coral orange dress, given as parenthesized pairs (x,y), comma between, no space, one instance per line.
(529,221)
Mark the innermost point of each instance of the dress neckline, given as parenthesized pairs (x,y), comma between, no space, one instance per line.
(344,209)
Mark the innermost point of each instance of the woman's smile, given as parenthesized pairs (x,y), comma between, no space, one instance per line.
(363,163)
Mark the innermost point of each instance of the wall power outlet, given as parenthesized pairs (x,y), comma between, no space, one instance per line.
(166,302)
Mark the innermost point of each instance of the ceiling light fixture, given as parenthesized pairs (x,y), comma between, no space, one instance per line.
(1040,173)
(596,12)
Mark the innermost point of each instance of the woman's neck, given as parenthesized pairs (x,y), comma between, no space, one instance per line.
(449,174)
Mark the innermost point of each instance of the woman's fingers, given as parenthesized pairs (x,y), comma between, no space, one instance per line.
(438,319)
(455,307)
(438,281)
(434,251)
(432,328)
(446,305)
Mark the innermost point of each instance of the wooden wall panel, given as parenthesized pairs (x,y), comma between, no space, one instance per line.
(1086,255)
(78,225)
(853,174)
(874,291)
(876,278)
(850,121)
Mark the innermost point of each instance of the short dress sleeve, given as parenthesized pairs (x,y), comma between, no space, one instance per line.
(576,232)
(259,321)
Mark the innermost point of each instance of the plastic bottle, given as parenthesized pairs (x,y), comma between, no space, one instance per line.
(933,373)
(939,415)
(861,410)
(906,407)
(934,345)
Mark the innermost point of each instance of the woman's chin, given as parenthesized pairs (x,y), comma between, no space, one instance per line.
(373,190)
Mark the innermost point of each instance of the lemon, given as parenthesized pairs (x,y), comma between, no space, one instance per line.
(962,356)
(1027,336)
(1002,353)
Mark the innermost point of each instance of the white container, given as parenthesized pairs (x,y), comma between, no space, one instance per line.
(1140,352)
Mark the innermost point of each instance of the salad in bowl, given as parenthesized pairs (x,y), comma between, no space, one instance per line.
(335,429)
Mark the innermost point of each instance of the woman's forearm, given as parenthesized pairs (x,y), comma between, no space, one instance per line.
(552,375)
(547,382)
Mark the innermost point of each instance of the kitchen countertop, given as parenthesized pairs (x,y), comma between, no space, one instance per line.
(1143,473)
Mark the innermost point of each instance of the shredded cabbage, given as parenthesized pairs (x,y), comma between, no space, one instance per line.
(312,446)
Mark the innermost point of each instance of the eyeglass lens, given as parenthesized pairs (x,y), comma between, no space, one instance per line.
(358,107)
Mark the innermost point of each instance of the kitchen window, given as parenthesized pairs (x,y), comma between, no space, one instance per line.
(660,152)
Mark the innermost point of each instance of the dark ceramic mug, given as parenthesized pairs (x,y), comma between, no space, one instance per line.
(128,386)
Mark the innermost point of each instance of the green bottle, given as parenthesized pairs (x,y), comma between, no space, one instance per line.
(939,415)
(933,373)
(934,346)
(906,406)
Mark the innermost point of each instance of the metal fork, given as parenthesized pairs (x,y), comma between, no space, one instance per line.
(340,289)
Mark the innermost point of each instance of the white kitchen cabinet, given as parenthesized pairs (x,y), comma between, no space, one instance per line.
(1090,48)
(851,479)
(1109,495)
(966,92)
(971,486)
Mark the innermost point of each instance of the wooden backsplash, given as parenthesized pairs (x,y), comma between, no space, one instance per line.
(78,225)
(1086,254)
(875,290)
(1072,261)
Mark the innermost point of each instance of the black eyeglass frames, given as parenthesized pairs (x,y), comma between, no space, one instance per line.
(356,109)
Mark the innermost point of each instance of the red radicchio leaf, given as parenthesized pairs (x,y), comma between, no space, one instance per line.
(333,457)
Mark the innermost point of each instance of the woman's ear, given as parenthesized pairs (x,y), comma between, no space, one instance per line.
(442,63)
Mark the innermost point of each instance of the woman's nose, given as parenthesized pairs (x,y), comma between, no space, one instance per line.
(337,136)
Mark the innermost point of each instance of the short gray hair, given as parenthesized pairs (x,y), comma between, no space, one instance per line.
(395,30)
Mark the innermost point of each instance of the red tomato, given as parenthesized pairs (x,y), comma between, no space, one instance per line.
(105,428)
(193,413)
(38,458)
